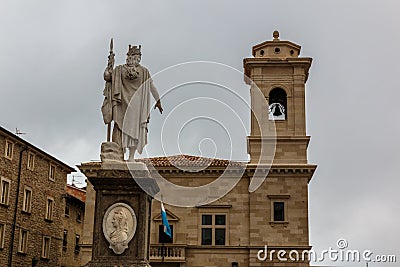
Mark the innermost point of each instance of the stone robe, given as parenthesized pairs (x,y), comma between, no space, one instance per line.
(130,100)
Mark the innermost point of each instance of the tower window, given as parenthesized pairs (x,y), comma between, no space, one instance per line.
(277,104)
(279,211)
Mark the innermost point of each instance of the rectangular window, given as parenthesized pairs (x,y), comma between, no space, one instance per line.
(206,219)
(49,208)
(52,172)
(78,216)
(46,247)
(2,233)
(66,212)
(5,191)
(9,151)
(23,241)
(65,239)
(279,211)
(206,236)
(163,237)
(220,236)
(31,161)
(213,231)
(27,204)
(77,247)
(220,220)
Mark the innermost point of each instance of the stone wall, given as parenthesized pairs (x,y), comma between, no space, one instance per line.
(37,179)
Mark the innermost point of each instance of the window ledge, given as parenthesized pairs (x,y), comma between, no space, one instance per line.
(275,223)
(45,259)
(48,220)
(21,253)
(213,246)
(4,205)
(26,212)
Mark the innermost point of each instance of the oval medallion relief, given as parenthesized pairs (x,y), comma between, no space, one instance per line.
(119,226)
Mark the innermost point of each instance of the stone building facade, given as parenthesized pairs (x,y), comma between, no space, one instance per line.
(31,203)
(74,214)
(234,229)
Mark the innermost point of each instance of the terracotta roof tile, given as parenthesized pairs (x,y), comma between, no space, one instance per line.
(189,161)
(183,161)
(76,192)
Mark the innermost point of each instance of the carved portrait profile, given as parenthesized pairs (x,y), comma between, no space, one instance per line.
(119,226)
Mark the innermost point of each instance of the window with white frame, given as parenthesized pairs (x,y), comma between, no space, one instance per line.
(9,149)
(27,204)
(5,191)
(23,241)
(2,233)
(52,172)
(279,208)
(46,247)
(49,208)
(31,161)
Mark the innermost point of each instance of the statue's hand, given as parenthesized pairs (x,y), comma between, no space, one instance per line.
(158,105)
(107,75)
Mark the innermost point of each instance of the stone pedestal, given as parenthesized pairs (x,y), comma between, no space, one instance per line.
(118,193)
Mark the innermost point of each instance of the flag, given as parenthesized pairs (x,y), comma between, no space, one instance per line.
(167,229)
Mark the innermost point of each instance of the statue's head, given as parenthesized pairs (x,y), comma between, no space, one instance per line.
(133,56)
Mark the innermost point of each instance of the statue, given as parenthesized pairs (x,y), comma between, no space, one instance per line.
(127,95)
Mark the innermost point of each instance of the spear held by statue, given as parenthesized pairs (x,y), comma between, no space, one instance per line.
(106,108)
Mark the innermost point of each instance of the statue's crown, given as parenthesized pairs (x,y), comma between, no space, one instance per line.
(134,50)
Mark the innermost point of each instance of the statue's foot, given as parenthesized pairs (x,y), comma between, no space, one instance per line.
(132,151)
(131,158)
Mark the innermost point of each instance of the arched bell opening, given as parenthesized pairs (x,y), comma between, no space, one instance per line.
(277,101)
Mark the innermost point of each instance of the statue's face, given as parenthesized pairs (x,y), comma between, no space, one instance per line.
(133,60)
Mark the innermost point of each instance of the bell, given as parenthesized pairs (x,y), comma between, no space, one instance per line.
(277,111)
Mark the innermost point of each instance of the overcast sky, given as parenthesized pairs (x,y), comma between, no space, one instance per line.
(54,54)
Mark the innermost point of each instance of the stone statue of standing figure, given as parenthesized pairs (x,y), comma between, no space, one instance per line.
(127,103)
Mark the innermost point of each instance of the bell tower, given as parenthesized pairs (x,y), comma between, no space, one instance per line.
(277,76)
(280,74)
